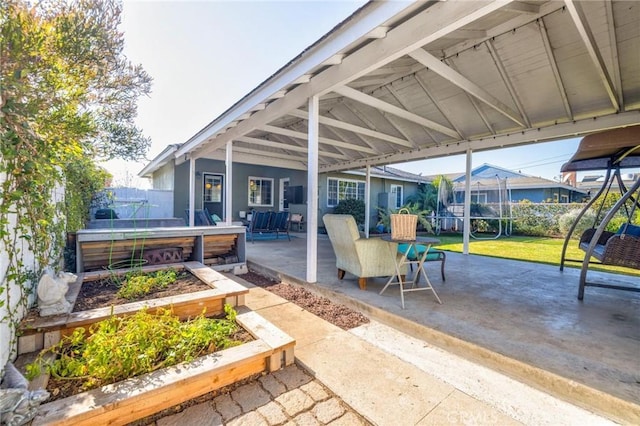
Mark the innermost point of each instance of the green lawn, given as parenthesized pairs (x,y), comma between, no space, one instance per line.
(532,249)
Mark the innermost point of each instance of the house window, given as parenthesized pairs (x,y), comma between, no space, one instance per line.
(342,189)
(564,198)
(479,197)
(396,196)
(260,192)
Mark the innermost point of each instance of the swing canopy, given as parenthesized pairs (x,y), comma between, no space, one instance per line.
(599,151)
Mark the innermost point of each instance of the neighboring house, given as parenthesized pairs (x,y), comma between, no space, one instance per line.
(274,188)
(487,181)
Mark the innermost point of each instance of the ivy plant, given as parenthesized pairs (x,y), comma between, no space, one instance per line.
(68,96)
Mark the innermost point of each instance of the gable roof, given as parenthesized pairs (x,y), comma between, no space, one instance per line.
(387,172)
(485,175)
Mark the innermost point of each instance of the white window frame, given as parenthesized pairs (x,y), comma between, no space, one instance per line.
(397,191)
(477,196)
(564,198)
(256,179)
(359,194)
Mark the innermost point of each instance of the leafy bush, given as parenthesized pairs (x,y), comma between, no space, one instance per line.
(353,207)
(566,220)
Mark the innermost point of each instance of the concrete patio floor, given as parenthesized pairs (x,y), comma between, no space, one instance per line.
(519,318)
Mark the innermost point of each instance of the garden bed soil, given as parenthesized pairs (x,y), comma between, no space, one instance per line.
(104,292)
(339,315)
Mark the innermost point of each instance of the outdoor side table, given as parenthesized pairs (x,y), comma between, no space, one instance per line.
(406,260)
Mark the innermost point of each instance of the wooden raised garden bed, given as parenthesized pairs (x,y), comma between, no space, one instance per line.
(138,397)
(42,332)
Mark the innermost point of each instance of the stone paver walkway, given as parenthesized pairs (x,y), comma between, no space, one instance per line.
(286,397)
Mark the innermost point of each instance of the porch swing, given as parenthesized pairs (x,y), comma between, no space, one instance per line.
(613,150)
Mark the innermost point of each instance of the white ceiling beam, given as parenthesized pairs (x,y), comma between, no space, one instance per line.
(467,34)
(366,83)
(615,59)
(279,94)
(396,96)
(392,109)
(390,70)
(281,145)
(355,110)
(326,141)
(561,131)
(435,22)
(279,155)
(507,81)
(554,68)
(400,75)
(334,60)
(434,64)
(437,104)
(526,8)
(505,27)
(259,159)
(580,21)
(355,129)
(302,79)
(379,32)
(340,134)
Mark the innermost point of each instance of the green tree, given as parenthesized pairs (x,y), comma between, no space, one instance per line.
(68,95)
(427,196)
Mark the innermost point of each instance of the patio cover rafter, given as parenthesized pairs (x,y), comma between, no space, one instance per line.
(434,64)
(325,141)
(358,96)
(281,145)
(429,25)
(563,130)
(575,10)
(353,128)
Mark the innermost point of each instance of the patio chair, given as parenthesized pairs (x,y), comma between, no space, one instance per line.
(434,255)
(259,223)
(200,217)
(280,223)
(362,257)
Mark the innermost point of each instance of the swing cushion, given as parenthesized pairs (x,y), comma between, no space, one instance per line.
(630,230)
(433,253)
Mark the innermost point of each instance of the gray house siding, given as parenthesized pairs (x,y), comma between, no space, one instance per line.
(163,178)
(241,174)
(378,186)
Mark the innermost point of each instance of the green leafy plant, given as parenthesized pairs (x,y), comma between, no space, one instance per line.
(122,347)
(424,219)
(353,207)
(138,284)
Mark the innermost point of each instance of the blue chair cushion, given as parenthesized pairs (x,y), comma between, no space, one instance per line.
(630,229)
(433,254)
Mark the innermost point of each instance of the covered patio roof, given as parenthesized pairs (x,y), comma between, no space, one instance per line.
(398,82)
(406,81)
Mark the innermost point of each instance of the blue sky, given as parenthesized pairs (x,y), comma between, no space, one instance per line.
(206,55)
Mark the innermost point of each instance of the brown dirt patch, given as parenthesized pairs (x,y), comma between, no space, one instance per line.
(104,293)
(339,315)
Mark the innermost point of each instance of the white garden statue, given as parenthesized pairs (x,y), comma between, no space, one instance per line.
(18,404)
(52,291)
